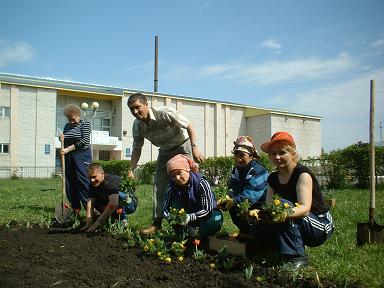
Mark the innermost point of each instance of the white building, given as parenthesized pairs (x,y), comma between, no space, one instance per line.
(31,113)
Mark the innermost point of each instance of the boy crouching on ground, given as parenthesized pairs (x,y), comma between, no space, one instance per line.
(105,199)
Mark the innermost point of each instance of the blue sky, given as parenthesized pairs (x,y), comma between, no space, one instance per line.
(305,56)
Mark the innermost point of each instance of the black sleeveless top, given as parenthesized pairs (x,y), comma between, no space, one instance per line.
(288,191)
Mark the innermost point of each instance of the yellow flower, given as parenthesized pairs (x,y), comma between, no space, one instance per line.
(146,248)
(182,246)
(180,258)
(276,202)
(297,204)
(168,260)
(181,211)
(286,205)
(151,241)
(159,253)
(212,265)
(259,279)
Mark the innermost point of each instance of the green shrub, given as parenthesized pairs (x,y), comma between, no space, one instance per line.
(348,167)
(356,163)
(220,167)
(146,172)
(334,172)
(264,160)
(117,167)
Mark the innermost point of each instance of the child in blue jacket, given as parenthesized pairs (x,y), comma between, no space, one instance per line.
(248,182)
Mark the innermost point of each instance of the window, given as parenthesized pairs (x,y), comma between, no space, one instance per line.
(102,121)
(4,148)
(128,152)
(47,149)
(5,112)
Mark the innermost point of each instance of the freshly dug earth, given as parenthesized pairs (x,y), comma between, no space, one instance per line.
(55,258)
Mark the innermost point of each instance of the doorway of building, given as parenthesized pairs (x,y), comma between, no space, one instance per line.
(104,155)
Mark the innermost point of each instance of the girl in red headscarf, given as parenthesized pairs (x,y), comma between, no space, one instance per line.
(188,189)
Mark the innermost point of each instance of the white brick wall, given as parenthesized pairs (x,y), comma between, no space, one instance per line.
(5,122)
(259,128)
(237,126)
(46,127)
(306,132)
(217,125)
(33,124)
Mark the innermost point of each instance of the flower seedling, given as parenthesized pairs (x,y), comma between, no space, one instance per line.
(243,207)
(225,261)
(199,255)
(177,217)
(248,271)
(178,248)
(273,212)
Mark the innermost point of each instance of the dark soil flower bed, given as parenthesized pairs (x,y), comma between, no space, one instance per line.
(56,258)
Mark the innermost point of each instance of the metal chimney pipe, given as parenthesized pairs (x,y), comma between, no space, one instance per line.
(156,64)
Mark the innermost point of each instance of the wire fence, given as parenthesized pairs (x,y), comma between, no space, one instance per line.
(29,172)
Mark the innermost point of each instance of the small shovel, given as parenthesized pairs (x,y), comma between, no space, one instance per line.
(62,210)
(371,232)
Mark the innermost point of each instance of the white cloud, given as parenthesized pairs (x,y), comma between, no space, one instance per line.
(378,43)
(273,72)
(279,71)
(271,43)
(205,5)
(343,54)
(344,108)
(16,52)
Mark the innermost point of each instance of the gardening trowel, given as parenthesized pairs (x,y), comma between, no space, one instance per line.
(62,210)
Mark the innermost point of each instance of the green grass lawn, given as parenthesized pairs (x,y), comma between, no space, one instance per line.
(339,259)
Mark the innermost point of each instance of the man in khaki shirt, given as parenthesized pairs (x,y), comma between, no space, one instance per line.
(167,129)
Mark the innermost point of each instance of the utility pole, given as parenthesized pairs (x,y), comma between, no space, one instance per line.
(156,64)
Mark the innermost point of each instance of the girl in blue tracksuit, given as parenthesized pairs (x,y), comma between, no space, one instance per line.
(248,182)
(188,189)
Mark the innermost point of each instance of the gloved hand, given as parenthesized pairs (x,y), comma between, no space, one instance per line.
(254,214)
(225,203)
(186,221)
(280,218)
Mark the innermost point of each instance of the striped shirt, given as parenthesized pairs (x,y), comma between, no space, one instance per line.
(79,135)
(166,129)
(205,205)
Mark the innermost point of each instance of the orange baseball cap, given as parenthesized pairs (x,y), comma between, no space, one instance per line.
(278,136)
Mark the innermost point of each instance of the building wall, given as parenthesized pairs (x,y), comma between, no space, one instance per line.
(306,132)
(209,126)
(259,128)
(236,126)
(32,123)
(5,123)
